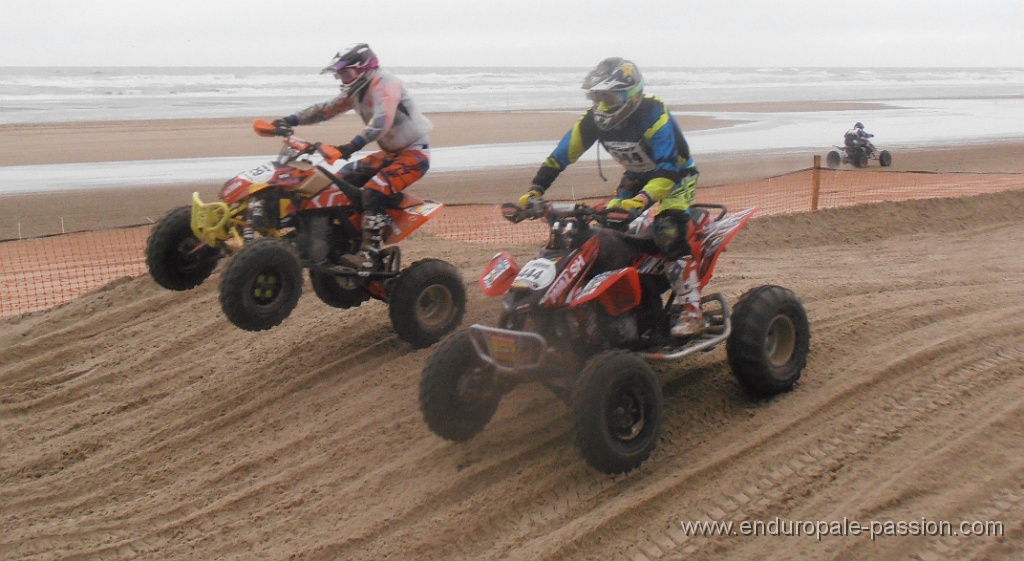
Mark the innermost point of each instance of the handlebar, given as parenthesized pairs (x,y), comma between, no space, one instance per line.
(577,212)
(263,128)
(580,212)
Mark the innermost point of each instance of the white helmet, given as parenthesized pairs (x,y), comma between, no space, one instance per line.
(352,66)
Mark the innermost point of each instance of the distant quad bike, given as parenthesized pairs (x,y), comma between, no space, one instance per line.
(859,154)
(587,334)
(263,223)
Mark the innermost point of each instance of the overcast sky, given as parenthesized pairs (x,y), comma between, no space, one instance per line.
(514,32)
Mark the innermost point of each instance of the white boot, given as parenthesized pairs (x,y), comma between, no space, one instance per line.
(368,256)
(683,276)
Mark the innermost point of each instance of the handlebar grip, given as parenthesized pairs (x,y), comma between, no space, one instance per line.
(264,128)
(512,213)
(329,152)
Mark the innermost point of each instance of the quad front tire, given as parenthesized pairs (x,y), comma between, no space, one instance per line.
(617,408)
(885,158)
(767,349)
(427,302)
(458,393)
(176,259)
(261,285)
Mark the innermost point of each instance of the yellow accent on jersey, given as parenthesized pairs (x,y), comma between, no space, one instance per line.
(680,196)
(576,143)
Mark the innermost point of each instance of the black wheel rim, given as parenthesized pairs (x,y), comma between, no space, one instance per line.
(475,386)
(188,255)
(626,412)
(267,286)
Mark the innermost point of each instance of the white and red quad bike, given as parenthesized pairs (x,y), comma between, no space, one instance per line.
(262,221)
(588,334)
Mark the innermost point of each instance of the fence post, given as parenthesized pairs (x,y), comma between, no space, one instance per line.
(815,182)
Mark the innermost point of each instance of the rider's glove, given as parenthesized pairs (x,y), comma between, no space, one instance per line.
(639,202)
(351,148)
(346,150)
(283,126)
(534,194)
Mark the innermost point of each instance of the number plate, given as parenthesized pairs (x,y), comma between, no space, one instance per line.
(261,174)
(536,274)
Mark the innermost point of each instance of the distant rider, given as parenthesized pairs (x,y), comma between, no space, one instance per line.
(392,120)
(857,137)
(640,133)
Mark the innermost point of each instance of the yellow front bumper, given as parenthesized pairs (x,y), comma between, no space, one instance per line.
(210,221)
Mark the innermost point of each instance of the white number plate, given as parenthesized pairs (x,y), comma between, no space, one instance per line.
(536,274)
(261,174)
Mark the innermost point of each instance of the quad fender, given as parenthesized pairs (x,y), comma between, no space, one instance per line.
(497,276)
(572,274)
(405,221)
(618,291)
(331,197)
(716,237)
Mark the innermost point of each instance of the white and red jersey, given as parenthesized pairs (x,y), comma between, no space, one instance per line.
(390,115)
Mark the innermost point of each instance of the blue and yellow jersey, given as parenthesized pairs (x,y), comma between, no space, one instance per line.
(649,144)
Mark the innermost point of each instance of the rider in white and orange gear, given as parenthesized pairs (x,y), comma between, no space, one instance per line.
(393,121)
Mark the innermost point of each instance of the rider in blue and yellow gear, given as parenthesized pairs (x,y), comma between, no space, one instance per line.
(640,133)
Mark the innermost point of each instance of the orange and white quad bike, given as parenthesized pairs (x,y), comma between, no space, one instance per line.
(585,328)
(263,222)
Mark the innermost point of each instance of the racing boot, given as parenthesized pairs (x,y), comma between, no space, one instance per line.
(683,276)
(368,257)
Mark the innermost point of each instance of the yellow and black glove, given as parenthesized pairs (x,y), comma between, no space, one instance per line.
(639,203)
(528,199)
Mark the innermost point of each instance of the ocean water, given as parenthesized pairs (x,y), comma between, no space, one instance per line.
(101,93)
(924,107)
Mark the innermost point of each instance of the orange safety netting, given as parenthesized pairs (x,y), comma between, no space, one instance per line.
(41,272)
(38,273)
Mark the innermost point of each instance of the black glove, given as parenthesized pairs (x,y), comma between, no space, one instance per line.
(347,150)
(282,127)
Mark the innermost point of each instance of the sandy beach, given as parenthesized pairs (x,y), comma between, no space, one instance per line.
(47,213)
(136,423)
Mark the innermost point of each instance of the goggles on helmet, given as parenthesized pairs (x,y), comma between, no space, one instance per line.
(348,75)
(607,98)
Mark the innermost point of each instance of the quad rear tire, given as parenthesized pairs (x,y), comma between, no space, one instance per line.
(833,159)
(458,395)
(767,349)
(338,292)
(885,158)
(617,409)
(261,285)
(176,259)
(427,302)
